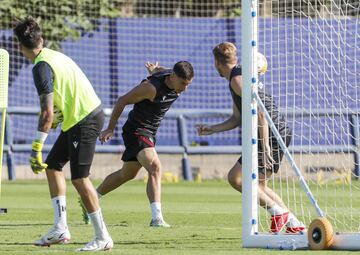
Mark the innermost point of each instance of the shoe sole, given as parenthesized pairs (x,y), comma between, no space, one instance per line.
(103,249)
(107,249)
(62,241)
(294,231)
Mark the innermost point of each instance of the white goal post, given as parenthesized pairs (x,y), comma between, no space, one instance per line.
(4,77)
(328,61)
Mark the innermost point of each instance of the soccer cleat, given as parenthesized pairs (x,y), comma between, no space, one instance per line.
(85,216)
(278,222)
(294,227)
(295,230)
(159,223)
(98,245)
(54,236)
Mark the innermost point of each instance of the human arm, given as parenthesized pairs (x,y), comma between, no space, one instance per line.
(154,67)
(44,126)
(141,92)
(46,113)
(230,123)
(233,121)
(264,137)
(43,81)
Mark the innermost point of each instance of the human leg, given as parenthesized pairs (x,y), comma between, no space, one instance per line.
(114,180)
(56,159)
(235,180)
(82,140)
(149,159)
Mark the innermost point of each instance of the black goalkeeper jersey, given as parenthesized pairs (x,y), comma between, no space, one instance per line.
(278,119)
(146,115)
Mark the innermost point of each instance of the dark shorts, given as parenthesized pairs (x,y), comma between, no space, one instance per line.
(276,151)
(135,141)
(77,145)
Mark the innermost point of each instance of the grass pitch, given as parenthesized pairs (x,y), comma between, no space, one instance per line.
(205,219)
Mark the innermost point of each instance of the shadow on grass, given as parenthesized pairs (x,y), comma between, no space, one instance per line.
(24,225)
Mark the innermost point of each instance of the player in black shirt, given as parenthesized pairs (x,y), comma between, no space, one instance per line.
(151,99)
(269,151)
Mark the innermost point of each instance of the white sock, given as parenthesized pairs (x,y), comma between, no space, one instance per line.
(98,194)
(156,210)
(59,205)
(276,210)
(99,225)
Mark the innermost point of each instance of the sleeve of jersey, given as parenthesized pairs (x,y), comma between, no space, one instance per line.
(43,78)
(238,70)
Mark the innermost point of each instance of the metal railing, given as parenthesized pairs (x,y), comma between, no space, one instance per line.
(184,148)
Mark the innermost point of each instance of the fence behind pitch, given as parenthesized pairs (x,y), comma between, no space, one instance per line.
(303,74)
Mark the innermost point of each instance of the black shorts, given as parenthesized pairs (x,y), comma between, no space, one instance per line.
(276,151)
(77,145)
(135,140)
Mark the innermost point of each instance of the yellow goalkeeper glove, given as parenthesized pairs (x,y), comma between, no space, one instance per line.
(37,165)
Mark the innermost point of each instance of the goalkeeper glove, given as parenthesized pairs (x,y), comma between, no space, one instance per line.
(37,165)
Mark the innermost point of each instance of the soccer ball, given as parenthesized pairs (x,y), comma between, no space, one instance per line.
(261,63)
(58,118)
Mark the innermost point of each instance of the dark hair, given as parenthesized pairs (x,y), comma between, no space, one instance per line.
(184,70)
(28,32)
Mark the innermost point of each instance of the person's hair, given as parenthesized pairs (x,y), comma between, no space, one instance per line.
(28,32)
(184,70)
(225,53)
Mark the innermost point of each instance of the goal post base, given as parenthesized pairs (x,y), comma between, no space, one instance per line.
(346,241)
(342,241)
(273,241)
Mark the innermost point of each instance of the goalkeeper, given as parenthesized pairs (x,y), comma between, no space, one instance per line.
(63,88)
(270,154)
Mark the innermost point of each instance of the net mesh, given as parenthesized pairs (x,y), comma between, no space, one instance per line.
(112,44)
(4,77)
(313,52)
(312,48)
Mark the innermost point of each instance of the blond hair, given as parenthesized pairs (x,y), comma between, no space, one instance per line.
(225,53)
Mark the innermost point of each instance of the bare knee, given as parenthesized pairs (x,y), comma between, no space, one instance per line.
(78,183)
(235,180)
(154,169)
(123,175)
(261,188)
(262,182)
(262,185)
(131,175)
(83,186)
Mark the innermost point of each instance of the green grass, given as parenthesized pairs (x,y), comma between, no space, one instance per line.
(206,219)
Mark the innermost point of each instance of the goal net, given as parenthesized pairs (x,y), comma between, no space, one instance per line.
(313,51)
(111,40)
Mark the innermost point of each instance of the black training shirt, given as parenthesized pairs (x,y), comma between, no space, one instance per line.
(146,114)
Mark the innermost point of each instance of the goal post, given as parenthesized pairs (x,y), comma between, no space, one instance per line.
(249,133)
(313,53)
(314,57)
(4,77)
